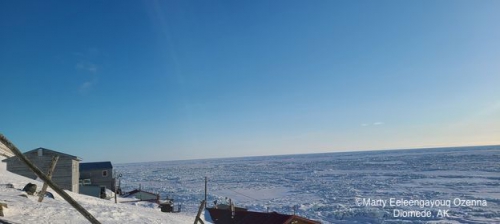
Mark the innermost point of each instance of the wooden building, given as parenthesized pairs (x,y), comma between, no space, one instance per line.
(97,174)
(66,172)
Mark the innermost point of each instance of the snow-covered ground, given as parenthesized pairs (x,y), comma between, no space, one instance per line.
(336,187)
(54,211)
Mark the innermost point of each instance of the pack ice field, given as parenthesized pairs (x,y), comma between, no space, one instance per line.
(455,185)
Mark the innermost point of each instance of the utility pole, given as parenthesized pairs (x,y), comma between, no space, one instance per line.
(119,176)
(116,191)
(206,180)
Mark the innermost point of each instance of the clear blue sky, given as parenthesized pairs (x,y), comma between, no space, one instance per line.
(132,81)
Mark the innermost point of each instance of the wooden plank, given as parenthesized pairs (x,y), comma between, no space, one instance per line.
(198,219)
(2,205)
(49,175)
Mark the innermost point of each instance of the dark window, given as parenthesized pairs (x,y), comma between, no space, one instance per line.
(104,173)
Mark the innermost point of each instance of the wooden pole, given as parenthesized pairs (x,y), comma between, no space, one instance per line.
(40,174)
(232,208)
(114,183)
(52,166)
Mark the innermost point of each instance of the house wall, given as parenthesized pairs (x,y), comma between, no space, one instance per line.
(96,178)
(63,174)
(3,166)
(91,190)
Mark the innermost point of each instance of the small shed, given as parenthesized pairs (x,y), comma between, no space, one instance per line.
(97,174)
(141,195)
(66,172)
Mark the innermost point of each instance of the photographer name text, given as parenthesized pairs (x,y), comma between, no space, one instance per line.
(421,203)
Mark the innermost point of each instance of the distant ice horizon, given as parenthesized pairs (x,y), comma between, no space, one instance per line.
(312,153)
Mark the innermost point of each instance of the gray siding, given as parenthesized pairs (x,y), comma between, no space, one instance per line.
(91,191)
(64,173)
(96,178)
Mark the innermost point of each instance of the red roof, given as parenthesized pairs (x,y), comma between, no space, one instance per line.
(224,216)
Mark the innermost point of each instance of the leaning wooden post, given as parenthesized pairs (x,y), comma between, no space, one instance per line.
(198,219)
(42,176)
(49,175)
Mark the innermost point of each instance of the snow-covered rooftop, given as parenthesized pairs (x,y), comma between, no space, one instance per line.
(4,151)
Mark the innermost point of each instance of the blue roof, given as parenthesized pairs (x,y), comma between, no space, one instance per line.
(96,166)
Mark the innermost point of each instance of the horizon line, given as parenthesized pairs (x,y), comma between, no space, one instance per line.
(313,153)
